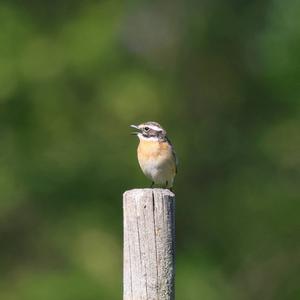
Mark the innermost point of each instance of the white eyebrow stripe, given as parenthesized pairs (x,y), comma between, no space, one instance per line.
(154,127)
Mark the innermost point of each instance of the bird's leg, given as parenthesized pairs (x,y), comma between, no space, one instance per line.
(151,186)
(170,188)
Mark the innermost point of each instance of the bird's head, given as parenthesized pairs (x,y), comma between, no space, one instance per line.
(149,131)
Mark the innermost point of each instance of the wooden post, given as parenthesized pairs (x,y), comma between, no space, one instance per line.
(149,244)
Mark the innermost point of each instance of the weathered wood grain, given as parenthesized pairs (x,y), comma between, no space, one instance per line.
(149,244)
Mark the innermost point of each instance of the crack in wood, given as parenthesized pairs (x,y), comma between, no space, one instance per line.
(155,243)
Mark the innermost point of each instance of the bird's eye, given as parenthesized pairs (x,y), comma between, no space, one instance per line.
(146,128)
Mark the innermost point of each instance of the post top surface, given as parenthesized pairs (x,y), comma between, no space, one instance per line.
(149,190)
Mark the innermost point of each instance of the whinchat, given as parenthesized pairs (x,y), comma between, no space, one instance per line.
(156,154)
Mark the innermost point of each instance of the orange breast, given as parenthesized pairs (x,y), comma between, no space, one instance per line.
(154,150)
(157,161)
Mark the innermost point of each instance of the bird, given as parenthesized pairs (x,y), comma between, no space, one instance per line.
(156,155)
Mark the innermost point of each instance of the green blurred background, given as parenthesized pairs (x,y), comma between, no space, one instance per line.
(222,76)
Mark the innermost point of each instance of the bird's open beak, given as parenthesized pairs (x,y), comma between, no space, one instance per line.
(137,128)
